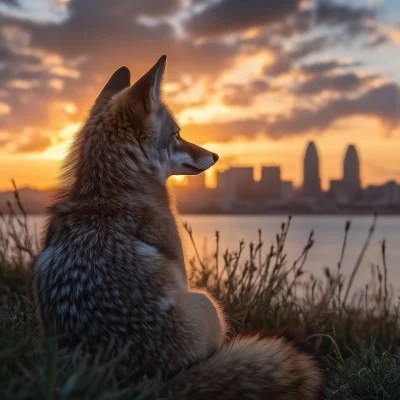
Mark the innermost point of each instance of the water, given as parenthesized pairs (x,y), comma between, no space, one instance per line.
(328,236)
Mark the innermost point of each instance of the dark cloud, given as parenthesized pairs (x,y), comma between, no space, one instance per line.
(14,3)
(345,83)
(69,61)
(85,9)
(382,102)
(229,16)
(322,67)
(243,95)
(286,60)
(103,35)
(377,40)
(330,12)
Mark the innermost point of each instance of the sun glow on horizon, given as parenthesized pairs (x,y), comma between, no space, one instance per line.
(60,150)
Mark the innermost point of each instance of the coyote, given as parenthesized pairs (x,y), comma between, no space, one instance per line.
(112,267)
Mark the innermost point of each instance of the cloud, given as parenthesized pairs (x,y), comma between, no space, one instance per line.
(227,16)
(13,3)
(321,67)
(381,102)
(70,61)
(35,144)
(377,40)
(286,60)
(243,95)
(67,58)
(345,83)
(120,8)
(329,12)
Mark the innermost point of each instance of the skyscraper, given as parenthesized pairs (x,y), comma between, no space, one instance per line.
(351,167)
(351,182)
(311,178)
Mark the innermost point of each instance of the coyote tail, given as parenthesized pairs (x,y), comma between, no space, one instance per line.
(260,367)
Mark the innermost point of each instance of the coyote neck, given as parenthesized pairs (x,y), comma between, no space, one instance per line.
(102,175)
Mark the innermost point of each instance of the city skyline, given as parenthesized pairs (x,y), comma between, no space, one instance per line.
(238,192)
(311,184)
(325,181)
(252,81)
(349,167)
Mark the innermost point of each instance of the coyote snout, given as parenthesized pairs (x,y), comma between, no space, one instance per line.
(190,159)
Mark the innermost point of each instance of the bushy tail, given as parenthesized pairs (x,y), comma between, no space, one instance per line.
(258,367)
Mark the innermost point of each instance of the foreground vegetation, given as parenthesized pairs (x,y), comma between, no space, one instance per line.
(356,331)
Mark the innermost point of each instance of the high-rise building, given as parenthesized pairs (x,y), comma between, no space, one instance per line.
(391,194)
(243,181)
(311,178)
(270,183)
(237,183)
(351,182)
(351,167)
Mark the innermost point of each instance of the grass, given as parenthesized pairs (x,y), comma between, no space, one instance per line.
(356,331)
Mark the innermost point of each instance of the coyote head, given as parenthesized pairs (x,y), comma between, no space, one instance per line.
(131,131)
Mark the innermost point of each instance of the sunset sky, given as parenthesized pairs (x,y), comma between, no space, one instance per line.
(252,80)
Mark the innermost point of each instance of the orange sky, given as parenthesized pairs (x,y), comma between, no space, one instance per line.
(250,89)
(377,155)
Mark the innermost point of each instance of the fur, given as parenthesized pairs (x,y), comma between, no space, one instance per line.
(112,266)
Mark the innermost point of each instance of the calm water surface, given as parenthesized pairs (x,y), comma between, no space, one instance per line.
(328,236)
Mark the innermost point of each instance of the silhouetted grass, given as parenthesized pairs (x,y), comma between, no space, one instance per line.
(258,287)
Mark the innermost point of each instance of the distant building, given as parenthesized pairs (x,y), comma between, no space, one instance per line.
(390,195)
(236,187)
(226,190)
(241,179)
(373,194)
(334,188)
(351,182)
(351,167)
(311,177)
(270,185)
(288,192)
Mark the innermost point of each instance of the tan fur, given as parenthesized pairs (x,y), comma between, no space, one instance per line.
(202,316)
(250,368)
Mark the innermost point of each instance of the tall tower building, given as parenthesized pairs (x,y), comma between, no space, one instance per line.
(351,182)
(351,167)
(311,178)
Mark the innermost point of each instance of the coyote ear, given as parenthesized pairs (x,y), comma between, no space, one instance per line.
(148,87)
(119,80)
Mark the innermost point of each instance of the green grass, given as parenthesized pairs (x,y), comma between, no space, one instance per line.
(257,286)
